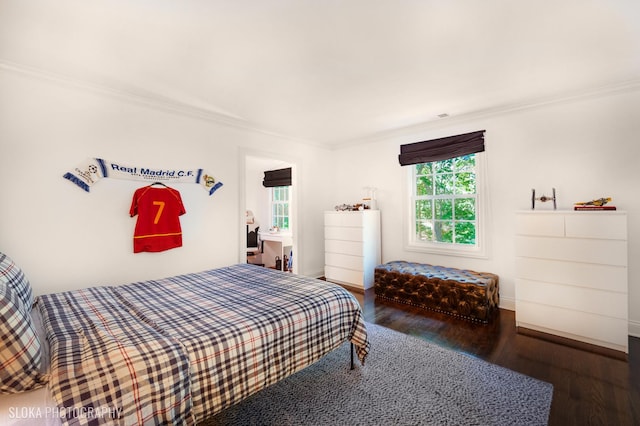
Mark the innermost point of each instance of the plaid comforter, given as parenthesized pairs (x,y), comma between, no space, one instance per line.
(180,349)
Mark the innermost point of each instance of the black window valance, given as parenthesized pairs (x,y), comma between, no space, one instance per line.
(280,177)
(441,149)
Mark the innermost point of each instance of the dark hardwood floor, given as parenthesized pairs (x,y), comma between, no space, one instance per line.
(589,388)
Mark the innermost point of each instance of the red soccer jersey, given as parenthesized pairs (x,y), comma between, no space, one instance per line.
(158,226)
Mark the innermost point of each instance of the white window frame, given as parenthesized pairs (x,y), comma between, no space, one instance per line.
(273,202)
(478,250)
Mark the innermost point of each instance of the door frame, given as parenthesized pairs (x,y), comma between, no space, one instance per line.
(295,206)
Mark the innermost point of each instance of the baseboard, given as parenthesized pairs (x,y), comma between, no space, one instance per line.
(315,274)
(600,350)
(507,303)
(634,328)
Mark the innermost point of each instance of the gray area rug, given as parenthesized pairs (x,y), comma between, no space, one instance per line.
(405,381)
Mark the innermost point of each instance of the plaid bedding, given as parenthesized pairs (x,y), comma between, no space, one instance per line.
(180,349)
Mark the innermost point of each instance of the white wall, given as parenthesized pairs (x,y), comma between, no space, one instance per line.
(65,238)
(585,148)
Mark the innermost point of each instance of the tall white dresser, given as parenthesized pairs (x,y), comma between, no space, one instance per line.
(571,276)
(351,247)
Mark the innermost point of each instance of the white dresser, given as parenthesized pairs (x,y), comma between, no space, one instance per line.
(351,247)
(571,275)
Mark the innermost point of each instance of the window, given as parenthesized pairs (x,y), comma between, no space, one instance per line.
(445,207)
(280,207)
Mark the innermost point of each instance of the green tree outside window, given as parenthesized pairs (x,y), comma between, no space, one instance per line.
(445,201)
(280,207)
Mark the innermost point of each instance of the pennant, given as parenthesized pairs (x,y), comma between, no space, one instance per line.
(92,170)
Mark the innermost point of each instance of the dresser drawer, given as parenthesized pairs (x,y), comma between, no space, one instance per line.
(343,233)
(548,225)
(349,276)
(586,327)
(353,248)
(588,275)
(596,225)
(344,261)
(588,300)
(605,252)
(352,219)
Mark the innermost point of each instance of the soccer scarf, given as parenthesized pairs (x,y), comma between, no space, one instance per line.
(92,170)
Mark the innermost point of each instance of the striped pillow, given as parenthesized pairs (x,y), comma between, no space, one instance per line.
(21,355)
(13,276)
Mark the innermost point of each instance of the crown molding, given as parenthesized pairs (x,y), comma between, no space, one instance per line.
(167,104)
(148,99)
(436,123)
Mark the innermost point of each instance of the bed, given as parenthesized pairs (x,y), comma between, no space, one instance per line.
(176,350)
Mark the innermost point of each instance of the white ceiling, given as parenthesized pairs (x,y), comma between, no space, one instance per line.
(329,71)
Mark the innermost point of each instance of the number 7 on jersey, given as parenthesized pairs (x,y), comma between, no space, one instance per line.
(160,205)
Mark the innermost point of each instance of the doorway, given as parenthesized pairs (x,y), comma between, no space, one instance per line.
(255,202)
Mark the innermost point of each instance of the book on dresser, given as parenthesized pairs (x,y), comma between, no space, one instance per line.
(352,247)
(594,208)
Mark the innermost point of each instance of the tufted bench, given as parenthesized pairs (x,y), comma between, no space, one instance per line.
(462,293)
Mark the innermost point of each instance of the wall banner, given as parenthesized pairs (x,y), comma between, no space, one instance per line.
(92,170)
